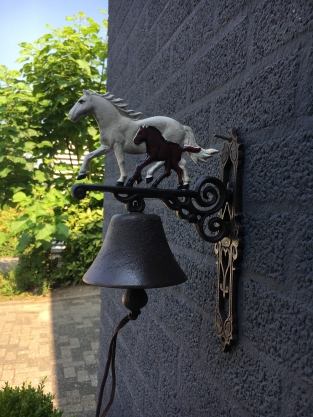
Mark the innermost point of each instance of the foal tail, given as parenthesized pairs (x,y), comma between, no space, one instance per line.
(200,155)
(191,149)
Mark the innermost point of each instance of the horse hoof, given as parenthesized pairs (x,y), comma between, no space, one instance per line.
(129,184)
(154,186)
(139,180)
(119,184)
(148,180)
(81,176)
(183,187)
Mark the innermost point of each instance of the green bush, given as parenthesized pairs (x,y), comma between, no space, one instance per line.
(27,402)
(37,272)
(34,270)
(7,216)
(82,246)
(7,284)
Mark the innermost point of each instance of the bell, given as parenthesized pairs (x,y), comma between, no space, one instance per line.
(135,254)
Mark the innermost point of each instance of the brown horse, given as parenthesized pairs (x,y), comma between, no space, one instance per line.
(159,149)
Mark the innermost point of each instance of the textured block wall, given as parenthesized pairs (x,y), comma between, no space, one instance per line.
(212,64)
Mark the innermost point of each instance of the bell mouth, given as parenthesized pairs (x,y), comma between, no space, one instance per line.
(135,254)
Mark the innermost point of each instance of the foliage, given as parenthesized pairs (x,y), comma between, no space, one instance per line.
(33,272)
(83,245)
(35,126)
(7,284)
(35,130)
(27,401)
(37,271)
(7,216)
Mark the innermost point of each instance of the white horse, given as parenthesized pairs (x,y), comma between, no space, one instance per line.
(118,126)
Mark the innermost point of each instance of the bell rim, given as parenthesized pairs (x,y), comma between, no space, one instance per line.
(125,286)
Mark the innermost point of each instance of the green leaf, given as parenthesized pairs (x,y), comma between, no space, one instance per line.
(4,172)
(23,242)
(3,238)
(18,225)
(40,176)
(45,143)
(33,132)
(26,45)
(20,196)
(45,232)
(62,229)
(83,65)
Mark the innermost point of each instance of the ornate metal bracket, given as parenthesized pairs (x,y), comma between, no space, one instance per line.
(214,207)
(196,206)
(229,249)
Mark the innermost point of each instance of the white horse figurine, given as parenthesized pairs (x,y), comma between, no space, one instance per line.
(118,126)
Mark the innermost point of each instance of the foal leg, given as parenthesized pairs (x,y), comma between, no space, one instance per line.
(137,173)
(165,174)
(139,177)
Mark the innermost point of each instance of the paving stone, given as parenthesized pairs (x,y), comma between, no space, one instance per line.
(57,339)
(73,396)
(82,376)
(69,372)
(10,356)
(90,359)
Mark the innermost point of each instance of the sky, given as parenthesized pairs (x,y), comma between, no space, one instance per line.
(25,21)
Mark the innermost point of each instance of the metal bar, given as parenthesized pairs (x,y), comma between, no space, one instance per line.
(146,192)
(222,137)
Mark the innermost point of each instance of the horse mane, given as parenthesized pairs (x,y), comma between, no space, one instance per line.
(120,105)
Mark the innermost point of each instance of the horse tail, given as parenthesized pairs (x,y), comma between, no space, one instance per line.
(191,149)
(203,154)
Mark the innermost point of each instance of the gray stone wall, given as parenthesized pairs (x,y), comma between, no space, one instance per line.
(212,64)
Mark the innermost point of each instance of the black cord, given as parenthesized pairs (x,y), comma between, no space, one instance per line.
(111,363)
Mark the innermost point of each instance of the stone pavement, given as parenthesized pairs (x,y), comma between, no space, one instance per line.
(54,337)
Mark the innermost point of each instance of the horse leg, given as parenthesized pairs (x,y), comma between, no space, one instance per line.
(178,171)
(152,170)
(121,164)
(94,154)
(182,163)
(165,174)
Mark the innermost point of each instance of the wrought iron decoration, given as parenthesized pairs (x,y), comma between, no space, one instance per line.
(196,206)
(229,248)
(214,207)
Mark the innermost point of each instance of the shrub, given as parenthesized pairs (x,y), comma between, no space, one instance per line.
(7,216)
(33,271)
(27,402)
(7,284)
(82,246)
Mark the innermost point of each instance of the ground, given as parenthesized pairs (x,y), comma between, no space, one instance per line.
(55,336)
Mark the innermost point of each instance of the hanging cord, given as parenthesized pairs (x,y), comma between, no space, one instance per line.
(111,362)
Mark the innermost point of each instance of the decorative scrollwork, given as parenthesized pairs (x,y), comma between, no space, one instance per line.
(133,203)
(196,206)
(228,250)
